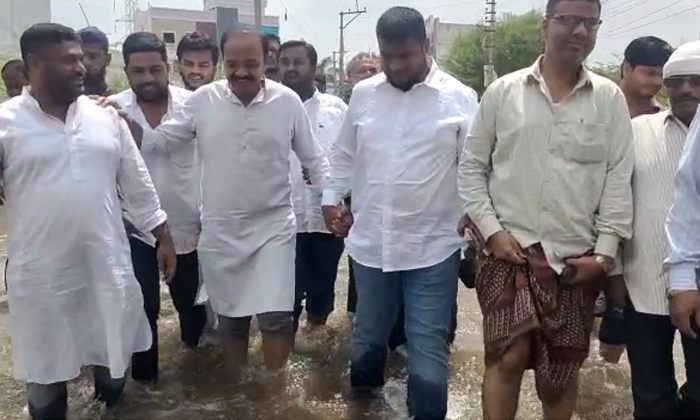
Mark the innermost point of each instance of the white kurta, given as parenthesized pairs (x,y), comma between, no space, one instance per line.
(72,293)
(247,244)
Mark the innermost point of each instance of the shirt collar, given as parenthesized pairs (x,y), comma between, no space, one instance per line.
(534,73)
(314,97)
(31,102)
(132,101)
(669,118)
(260,97)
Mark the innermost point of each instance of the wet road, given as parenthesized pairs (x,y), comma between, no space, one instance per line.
(191,382)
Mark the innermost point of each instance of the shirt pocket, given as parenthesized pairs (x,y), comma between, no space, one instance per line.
(584,143)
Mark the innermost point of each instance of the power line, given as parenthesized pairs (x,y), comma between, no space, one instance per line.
(625,25)
(654,21)
(354,14)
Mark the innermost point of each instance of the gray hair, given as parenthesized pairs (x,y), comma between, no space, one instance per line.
(357,59)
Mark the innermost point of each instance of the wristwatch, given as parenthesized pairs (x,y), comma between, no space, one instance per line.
(673,293)
(606,262)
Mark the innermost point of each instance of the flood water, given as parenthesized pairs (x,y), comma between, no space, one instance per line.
(191,382)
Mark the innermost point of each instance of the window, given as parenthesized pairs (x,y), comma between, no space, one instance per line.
(169,37)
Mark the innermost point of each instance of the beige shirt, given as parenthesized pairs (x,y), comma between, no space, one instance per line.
(658,145)
(557,174)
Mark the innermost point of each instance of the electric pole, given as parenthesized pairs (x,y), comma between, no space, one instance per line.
(258,15)
(352,14)
(489,42)
(131,7)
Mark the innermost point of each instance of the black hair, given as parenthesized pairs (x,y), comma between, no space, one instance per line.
(14,63)
(233,32)
(93,35)
(198,41)
(400,23)
(648,51)
(310,50)
(42,35)
(552,4)
(139,42)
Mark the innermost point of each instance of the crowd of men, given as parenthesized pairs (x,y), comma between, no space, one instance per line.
(243,193)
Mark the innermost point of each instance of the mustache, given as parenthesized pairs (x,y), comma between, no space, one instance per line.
(686,97)
(248,78)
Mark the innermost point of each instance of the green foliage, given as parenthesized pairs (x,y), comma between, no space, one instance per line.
(518,42)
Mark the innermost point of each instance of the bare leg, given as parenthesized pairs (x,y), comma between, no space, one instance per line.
(562,409)
(235,335)
(502,380)
(277,330)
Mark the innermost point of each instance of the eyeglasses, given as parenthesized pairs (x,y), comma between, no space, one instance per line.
(573,21)
(677,82)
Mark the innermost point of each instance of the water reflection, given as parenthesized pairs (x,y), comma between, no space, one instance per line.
(193,383)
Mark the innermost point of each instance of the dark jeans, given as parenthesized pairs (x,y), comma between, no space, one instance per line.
(50,402)
(183,290)
(428,296)
(317,258)
(655,391)
(352,291)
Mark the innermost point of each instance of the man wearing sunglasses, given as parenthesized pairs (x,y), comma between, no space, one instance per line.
(545,177)
(651,334)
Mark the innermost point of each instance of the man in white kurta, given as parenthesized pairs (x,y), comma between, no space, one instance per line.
(246,128)
(69,168)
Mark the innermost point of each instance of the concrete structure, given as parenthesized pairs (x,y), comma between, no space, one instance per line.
(18,15)
(245,7)
(442,35)
(172,24)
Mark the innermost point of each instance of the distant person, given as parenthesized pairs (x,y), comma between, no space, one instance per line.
(14,77)
(364,65)
(272,69)
(96,58)
(197,58)
(73,298)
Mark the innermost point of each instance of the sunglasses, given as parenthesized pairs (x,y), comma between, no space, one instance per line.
(573,21)
(679,81)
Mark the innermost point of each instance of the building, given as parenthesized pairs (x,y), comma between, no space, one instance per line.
(18,15)
(442,35)
(172,24)
(245,7)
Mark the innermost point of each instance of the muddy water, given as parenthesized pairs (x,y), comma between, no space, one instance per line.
(192,382)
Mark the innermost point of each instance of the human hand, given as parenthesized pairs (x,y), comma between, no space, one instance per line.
(505,247)
(167,257)
(585,269)
(134,127)
(685,311)
(338,219)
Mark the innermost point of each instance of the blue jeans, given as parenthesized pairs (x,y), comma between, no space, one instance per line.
(428,296)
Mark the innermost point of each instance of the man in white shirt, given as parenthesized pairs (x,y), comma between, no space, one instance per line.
(72,294)
(654,384)
(175,175)
(398,152)
(546,179)
(246,127)
(318,251)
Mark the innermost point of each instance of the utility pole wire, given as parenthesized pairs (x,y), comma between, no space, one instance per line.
(354,14)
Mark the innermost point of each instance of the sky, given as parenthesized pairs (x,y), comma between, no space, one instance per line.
(317,21)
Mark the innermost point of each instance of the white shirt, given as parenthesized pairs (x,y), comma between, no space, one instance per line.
(557,174)
(658,144)
(683,225)
(247,244)
(398,153)
(326,113)
(175,174)
(74,300)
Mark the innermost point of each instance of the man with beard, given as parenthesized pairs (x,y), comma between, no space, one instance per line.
(649,331)
(72,294)
(197,58)
(96,58)
(247,244)
(318,251)
(14,77)
(398,152)
(175,175)
(545,177)
(272,69)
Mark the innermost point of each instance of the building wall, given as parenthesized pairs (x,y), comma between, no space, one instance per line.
(178,27)
(441,36)
(18,15)
(245,7)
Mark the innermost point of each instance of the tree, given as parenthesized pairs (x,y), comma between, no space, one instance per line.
(518,42)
